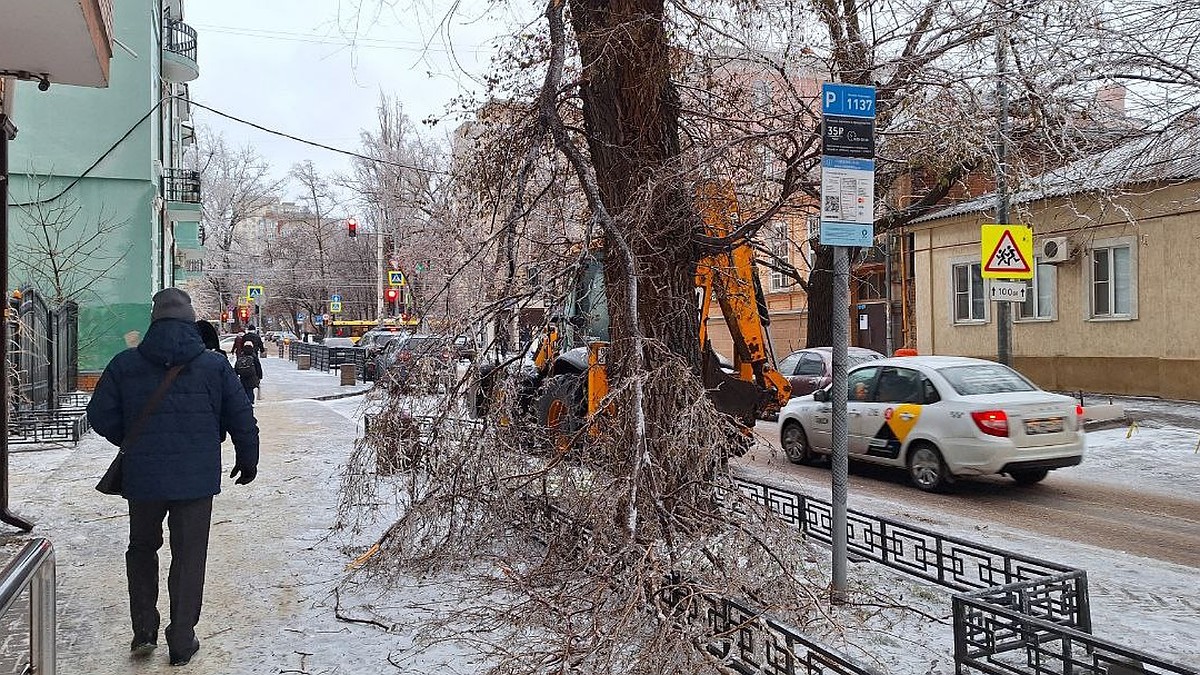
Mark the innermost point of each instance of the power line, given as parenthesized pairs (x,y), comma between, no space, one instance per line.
(315,144)
(363,42)
(96,163)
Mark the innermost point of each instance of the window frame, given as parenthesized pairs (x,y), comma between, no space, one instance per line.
(955,263)
(781,248)
(1031,287)
(1110,244)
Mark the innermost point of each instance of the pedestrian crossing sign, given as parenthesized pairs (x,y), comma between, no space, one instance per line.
(335,307)
(254,292)
(1007,251)
(395,278)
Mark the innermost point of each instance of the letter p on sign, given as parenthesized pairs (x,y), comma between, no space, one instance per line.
(830,98)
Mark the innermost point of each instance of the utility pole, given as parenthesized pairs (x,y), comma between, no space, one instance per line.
(8,131)
(1003,128)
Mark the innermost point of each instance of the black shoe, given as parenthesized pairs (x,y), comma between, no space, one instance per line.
(142,646)
(182,658)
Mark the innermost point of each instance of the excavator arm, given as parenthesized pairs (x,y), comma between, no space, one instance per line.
(730,278)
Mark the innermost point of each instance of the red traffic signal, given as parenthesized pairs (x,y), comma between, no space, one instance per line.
(224,317)
(244,313)
(352,227)
(391,294)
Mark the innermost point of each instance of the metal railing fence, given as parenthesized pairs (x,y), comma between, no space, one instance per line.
(33,570)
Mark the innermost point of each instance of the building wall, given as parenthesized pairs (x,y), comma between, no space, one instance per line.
(1153,352)
(61,133)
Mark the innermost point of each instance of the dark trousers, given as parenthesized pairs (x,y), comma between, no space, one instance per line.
(189,522)
(249,392)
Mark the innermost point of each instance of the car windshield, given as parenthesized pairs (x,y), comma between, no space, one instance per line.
(990,378)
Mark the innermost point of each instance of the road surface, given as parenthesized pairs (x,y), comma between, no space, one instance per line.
(1161,525)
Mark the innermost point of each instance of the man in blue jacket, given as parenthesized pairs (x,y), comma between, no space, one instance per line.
(172,464)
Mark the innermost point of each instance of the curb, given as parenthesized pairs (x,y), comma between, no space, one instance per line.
(334,397)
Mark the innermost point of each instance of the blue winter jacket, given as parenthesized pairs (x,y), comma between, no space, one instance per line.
(177,455)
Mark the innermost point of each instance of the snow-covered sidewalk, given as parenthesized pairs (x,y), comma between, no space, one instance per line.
(270,603)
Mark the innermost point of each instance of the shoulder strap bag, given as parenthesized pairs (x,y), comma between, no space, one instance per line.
(111,482)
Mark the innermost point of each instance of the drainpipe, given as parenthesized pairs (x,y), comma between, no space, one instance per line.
(7,132)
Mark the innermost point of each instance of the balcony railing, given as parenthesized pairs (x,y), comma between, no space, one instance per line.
(179,38)
(182,185)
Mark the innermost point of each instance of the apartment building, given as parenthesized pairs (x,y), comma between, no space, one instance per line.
(102,170)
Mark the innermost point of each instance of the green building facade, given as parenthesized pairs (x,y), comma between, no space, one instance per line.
(101,209)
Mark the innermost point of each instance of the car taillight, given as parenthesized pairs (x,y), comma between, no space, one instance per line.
(1079,417)
(991,422)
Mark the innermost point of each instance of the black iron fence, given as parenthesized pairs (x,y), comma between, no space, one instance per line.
(179,38)
(326,358)
(1013,615)
(182,185)
(43,367)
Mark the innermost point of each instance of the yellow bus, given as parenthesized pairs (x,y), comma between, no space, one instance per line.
(354,329)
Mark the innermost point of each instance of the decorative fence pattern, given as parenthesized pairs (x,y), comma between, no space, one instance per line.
(1014,614)
(43,362)
(328,358)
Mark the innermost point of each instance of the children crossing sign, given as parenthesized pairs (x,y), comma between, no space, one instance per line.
(1007,251)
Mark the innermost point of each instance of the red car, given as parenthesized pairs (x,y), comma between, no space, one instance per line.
(811,369)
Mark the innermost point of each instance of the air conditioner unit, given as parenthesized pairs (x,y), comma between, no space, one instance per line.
(1054,250)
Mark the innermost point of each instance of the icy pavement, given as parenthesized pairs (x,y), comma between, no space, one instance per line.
(272,604)
(274,563)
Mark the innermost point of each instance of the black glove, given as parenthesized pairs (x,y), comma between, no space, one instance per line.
(248,473)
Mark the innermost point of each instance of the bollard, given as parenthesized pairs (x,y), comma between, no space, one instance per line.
(303,362)
(348,375)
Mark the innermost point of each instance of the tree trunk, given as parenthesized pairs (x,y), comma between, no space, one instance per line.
(820,299)
(631,118)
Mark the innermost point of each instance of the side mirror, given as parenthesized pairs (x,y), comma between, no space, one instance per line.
(821,396)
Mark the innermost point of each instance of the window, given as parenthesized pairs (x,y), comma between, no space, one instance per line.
(859,384)
(779,250)
(969,303)
(1040,292)
(1112,275)
(992,378)
(871,287)
(811,365)
(899,385)
(788,364)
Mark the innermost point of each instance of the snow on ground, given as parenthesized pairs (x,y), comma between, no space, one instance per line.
(276,539)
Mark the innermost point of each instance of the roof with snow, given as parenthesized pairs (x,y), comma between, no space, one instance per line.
(1171,155)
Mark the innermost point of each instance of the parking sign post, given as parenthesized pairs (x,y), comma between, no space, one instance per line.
(847,219)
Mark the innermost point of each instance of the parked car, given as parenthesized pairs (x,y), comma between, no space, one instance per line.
(811,369)
(465,348)
(416,362)
(338,342)
(374,342)
(942,417)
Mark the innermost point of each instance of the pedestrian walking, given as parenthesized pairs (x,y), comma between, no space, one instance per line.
(249,370)
(168,404)
(209,336)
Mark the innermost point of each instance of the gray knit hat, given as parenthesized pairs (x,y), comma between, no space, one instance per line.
(172,303)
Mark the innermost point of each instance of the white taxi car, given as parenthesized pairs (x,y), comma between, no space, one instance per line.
(941,417)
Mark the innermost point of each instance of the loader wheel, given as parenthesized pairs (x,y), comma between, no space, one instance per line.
(560,409)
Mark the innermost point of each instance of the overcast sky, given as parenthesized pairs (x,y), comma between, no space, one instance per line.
(288,65)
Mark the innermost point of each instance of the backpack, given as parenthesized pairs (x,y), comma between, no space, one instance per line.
(244,367)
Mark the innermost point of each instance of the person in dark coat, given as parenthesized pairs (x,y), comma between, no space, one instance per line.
(249,370)
(209,336)
(172,468)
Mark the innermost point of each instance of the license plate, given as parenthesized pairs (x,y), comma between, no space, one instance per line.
(1049,425)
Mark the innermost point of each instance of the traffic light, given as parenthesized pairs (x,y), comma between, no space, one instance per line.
(352,227)
(244,313)
(391,295)
(224,317)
